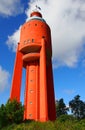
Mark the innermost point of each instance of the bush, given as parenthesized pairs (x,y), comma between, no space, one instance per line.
(64,118)
(3,116)
(11,112)
(14,111)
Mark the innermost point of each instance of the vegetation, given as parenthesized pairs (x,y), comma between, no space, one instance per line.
(77,107)
(61,108)
(11,117)
(64,122)
(11,112)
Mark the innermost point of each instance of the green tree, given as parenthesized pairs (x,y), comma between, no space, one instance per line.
(3,116)
(11,112)
(61,108)
(14,111)
(77,107)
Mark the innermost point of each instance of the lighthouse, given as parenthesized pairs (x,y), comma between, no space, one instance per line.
(34,53)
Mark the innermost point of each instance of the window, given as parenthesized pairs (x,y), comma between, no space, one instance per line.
(35,24)
(30,102)
(25,42)
(31,91)
(28,40)
(43,36)
(32,70)
(32,40)
(31,80)
(30,115)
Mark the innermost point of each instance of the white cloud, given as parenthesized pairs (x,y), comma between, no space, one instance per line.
(4,77)
(13,40)
(69,91)
(10,7)
(67,21)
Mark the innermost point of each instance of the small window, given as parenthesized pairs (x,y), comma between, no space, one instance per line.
(30,102)
(32,70)
(31,91)
(35,24)
(30,115)
(32,40)
(31,80)
(28,40)
(25,42)
(43,36)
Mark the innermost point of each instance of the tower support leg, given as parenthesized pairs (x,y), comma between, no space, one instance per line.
(50,94)
(17,75)
(43,84)
(31,101)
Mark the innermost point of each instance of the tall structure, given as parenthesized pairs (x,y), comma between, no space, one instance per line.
(34,53)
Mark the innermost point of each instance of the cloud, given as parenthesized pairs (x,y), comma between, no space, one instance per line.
(13,40)
(67,22)
(4,77)
(10,7)
(69,91)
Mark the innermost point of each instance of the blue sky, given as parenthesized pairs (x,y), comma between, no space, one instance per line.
(67,22)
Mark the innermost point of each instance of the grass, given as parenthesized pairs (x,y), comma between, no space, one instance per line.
(59,124)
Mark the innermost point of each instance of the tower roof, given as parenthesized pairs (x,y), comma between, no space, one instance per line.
(36,13)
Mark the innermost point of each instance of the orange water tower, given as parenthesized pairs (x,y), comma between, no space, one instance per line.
(34,53)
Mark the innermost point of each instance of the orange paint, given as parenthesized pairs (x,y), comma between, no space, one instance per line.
(34,53)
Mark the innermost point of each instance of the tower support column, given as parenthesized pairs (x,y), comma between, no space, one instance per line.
(31,100)
(43,84)
(17,75)
(37,92)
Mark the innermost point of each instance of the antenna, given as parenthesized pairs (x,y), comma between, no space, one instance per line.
(37,7)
